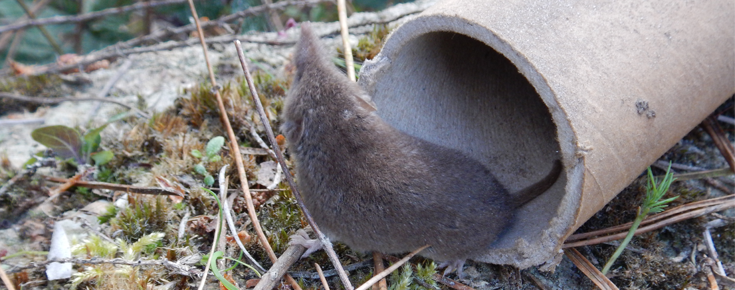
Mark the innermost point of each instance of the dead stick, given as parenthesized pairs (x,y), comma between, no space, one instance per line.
(390,269)
(224,19)
(6,279)
(279,268)
(658,225)
(346,39)
(236,151)
(179,269)
(42,100)
(721,142)
(118,187)
(87,16)
(43,30)
(321,276)
(326,244)
(589,270)
(653,218)
(379,267)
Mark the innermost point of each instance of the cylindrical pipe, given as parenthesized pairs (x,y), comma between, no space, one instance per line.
(606,86)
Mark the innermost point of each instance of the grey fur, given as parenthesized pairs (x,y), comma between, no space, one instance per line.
(378,189)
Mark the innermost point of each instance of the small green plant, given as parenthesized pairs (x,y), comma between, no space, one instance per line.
(69,144)
(652,203)
(404,280)
(211,155)
(105,275)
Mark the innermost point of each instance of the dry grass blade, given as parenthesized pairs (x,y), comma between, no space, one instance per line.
(321,276)
(349,63)
(235,148)
(118,187)
(589,270)
(390,269)
(729,203)
(721,142)
(379,267)
(326,244)
(6,279)
(654,218)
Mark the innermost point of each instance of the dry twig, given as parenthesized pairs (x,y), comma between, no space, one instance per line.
(589,270)
(279,268)
(390,269)
(349,63)
(87,16)
(721,142)
(43,30)
(118,187)
(6,279)
(176,268)
(321,276)
(158,36)
(42,100)
(654,222)
(326,244)
(235,148)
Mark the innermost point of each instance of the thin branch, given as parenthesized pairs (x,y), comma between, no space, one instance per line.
(5,37)
(274,19)
(177,268)
(390,269)
(95,57)
(331,273)
(675,219)
(87,16)
(321,276)
(349,62)
(43,30)
(118,51)
(721,142)
(379,267)
(157,36)
(42,100)
(589,270)
(117,187)
(6,279)
(279,268)
(230,222)
(656,217)
(236,151)
(326,244)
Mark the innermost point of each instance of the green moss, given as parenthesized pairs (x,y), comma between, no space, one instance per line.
(33,86)
(142,217)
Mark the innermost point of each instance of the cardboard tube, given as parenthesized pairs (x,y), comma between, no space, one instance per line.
(605,86)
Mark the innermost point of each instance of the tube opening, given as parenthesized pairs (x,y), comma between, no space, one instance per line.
(453,90)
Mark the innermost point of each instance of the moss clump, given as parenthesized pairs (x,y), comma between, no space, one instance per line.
(142,216)
(39,86)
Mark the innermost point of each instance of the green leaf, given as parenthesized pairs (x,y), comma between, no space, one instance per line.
(64,141)
(196,153)
(215,158)
(214,146)
(215,270)
(29,162)
(199,168)
(92,142)
(208,180)
(101,158)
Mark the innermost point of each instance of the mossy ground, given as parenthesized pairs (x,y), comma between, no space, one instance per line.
(160,147)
